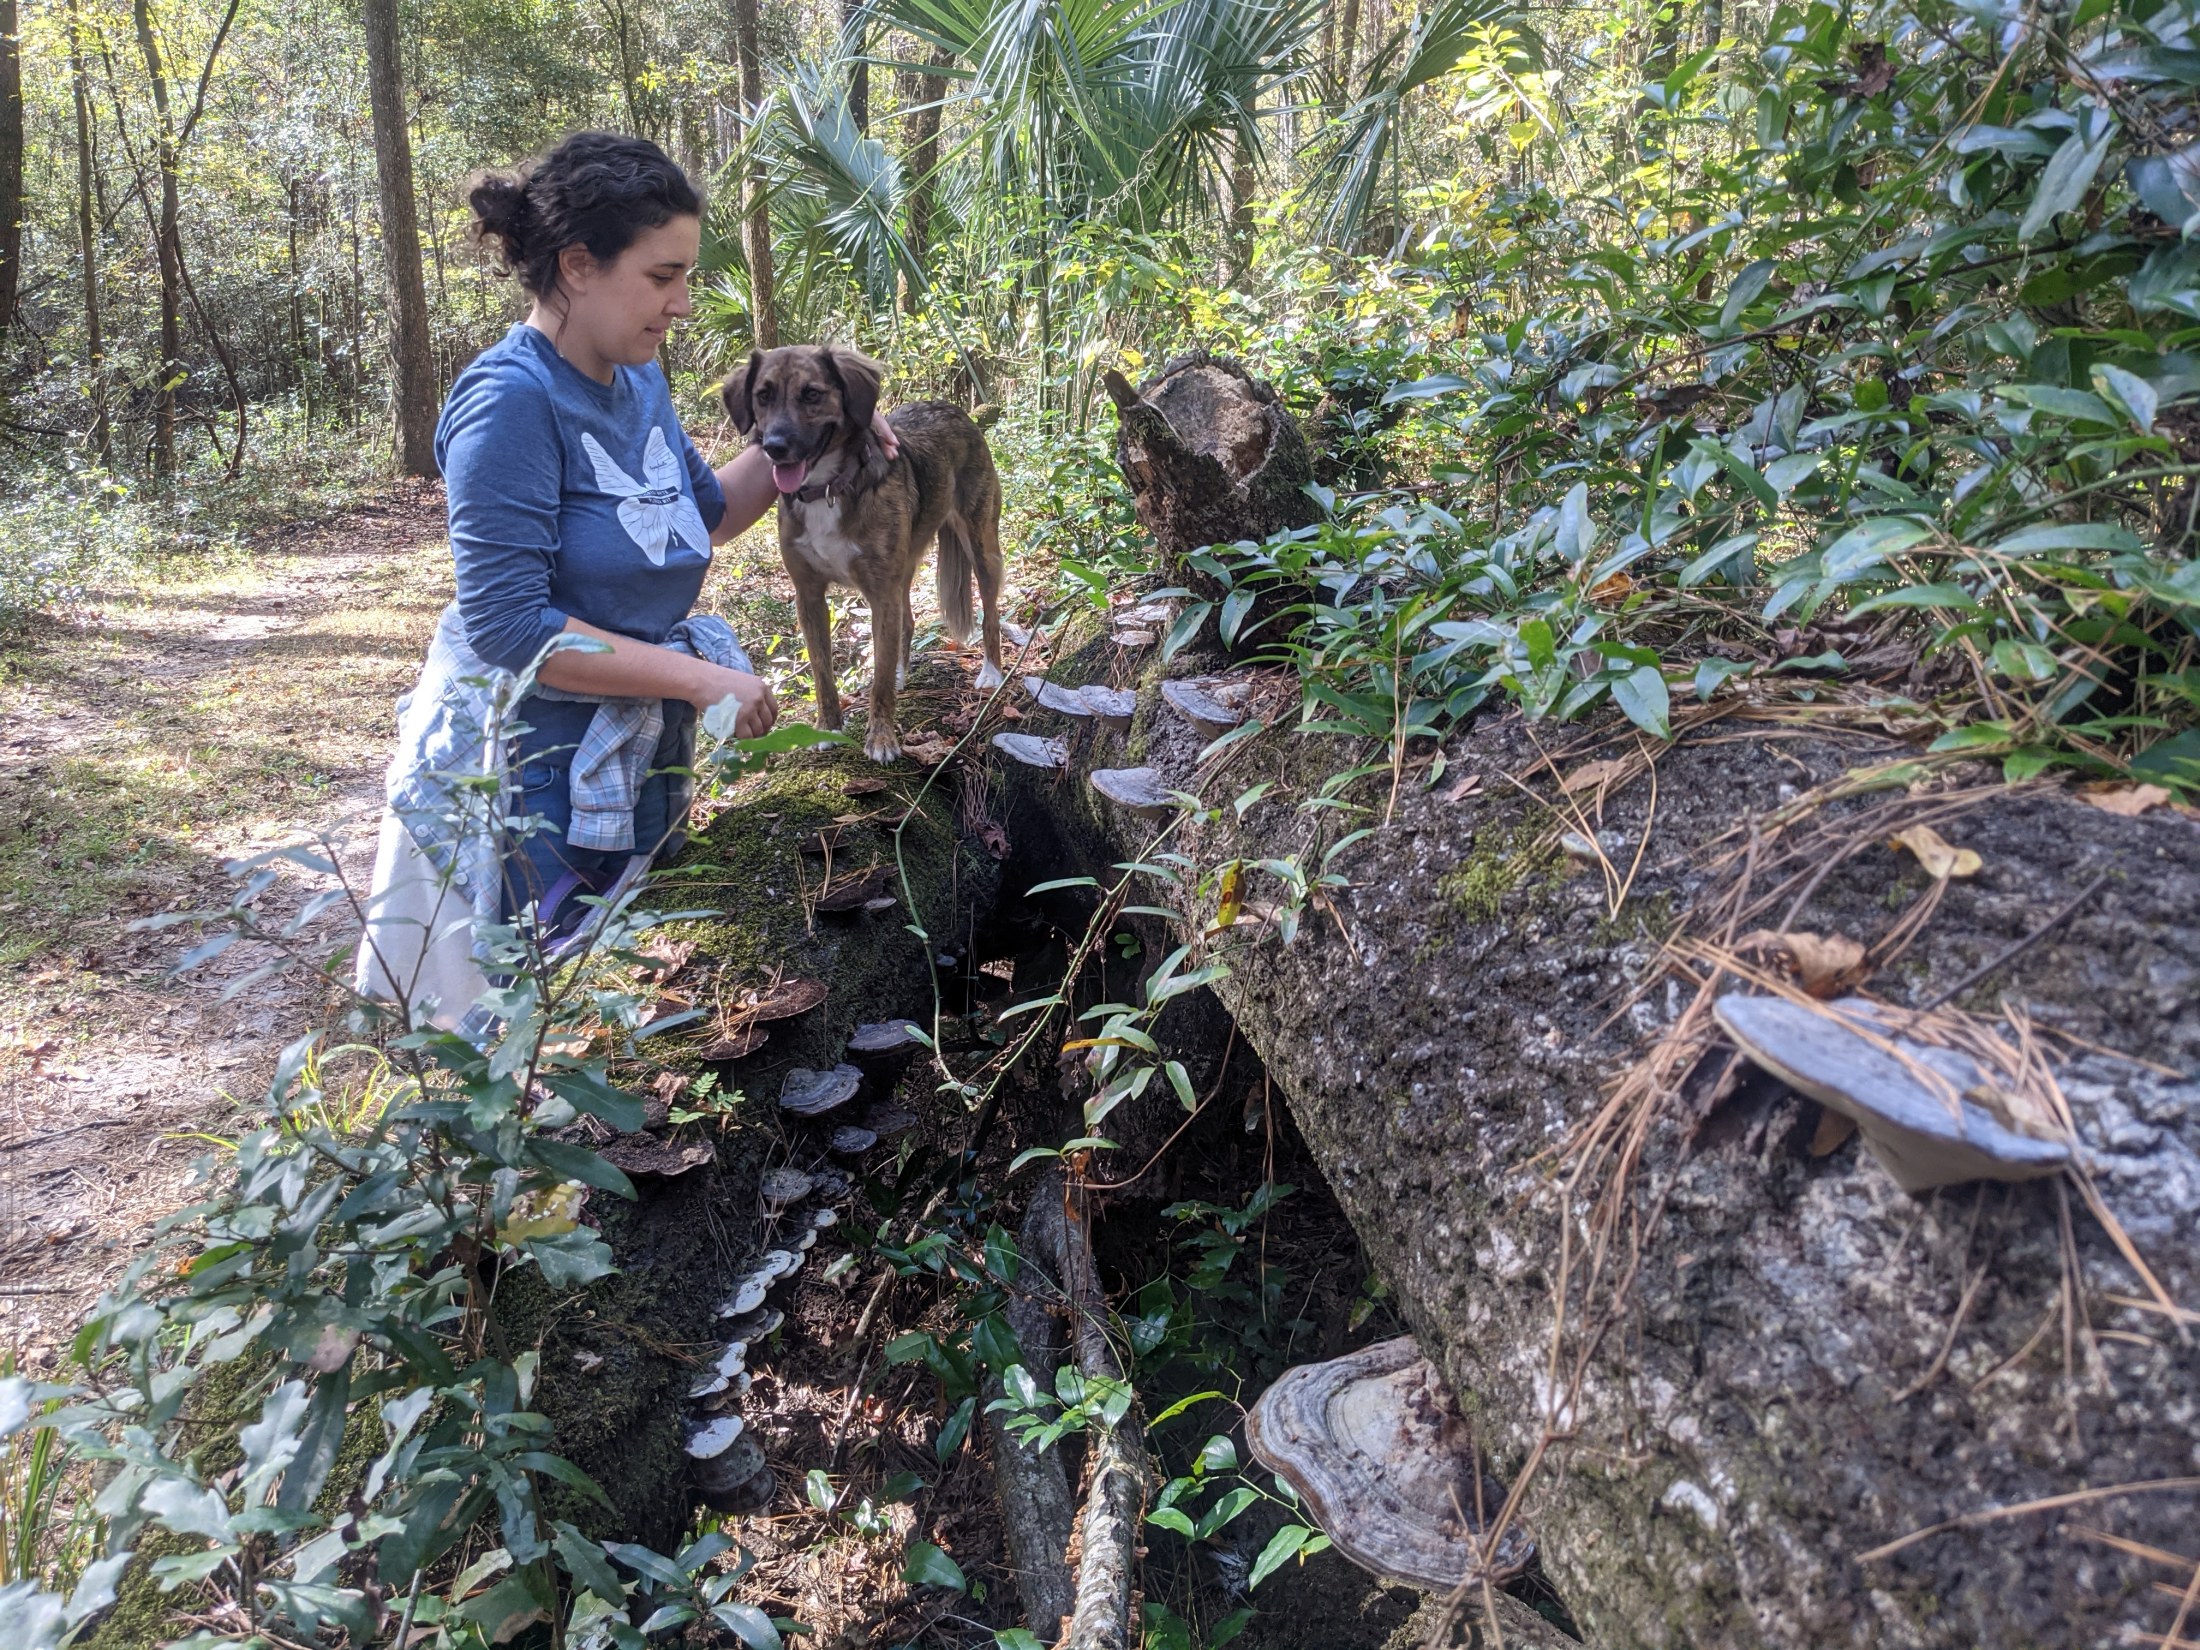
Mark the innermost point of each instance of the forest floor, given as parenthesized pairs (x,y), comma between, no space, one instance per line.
(174,725)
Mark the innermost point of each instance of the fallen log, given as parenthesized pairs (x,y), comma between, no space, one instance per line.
(1772,1363)
(1117,1470)
(1039,1512)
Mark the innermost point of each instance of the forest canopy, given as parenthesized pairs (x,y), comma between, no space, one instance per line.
(1647,347)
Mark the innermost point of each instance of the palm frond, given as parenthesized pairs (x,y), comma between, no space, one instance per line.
(1351,167)
(842,193)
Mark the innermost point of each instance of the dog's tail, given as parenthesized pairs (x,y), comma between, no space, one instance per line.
(958,566)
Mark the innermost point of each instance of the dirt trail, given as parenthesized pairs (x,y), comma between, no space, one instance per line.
(175,727)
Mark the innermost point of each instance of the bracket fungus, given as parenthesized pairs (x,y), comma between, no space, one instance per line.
(1373,1446)
(1202,706)
(726,1479)
(850,1141)
(887,1121)
(707,1439)
(754,1326)
(883,1050)
(732,1361)
(780,1187)
(1032,751)
(782,1001)
(809,1093)
(1138,789)
(1053,696)
(1113,706)
(1917,1106)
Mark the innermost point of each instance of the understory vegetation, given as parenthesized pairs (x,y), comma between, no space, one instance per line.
(1654,356)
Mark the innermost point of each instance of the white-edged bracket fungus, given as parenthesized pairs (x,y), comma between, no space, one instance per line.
(706,1440)
(729,1363)
(1138,789)
(1068,701)
(1031,750)
(851,1141)
(779,1262)
(1922,1137)
(747,1295)
(809,1093)
(755,1325)
(1199,705)
(1386,1467)
(822,1218)
(886,1037)
(1113,706)
(780,1187)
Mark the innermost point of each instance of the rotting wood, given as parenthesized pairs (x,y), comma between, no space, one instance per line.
(1038,1506)
(1118,1471)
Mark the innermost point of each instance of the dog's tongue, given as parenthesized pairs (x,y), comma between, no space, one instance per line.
(788,478)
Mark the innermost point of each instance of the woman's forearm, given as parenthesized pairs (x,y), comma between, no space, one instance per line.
(747,483)
(633,670)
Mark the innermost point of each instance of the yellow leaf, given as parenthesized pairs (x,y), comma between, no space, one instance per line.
(1940,859)
(2129,801)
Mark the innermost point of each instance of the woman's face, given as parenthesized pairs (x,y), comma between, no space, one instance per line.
(622,309)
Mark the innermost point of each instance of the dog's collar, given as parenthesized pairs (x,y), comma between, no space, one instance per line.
(866,472)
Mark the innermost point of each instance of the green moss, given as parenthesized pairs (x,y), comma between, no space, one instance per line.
(1500,859)
(1638,918)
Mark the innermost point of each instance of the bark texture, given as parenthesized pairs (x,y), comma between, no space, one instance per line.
(11,160)
(1212,457)
(1038,1510)
(412,360)
(756,215)
(1809,1363)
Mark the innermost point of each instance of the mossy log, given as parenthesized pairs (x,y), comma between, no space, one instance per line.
(1807,1363)
(618,1357)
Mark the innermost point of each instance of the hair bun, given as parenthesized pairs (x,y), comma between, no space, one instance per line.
(501,213)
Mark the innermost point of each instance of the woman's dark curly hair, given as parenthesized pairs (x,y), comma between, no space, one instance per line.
(596,189)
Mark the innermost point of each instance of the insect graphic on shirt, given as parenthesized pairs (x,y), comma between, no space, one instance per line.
(654,511)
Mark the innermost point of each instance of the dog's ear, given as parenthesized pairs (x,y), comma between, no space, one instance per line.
(739,394)
(858,377)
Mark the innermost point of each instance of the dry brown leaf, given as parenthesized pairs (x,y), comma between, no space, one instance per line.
(863,787)
(2127,801)
(1592,774)
(1824,965)
(1941,858)
(1613,589)
(1462,787)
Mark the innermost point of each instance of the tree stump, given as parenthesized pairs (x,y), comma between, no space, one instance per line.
(1212,457)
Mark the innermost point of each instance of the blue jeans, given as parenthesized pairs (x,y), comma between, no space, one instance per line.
(541,868)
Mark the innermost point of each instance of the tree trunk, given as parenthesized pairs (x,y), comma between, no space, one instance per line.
(756,216)
(859,72)
(412,388)
(1348,37)
(1241,209)
(11,161)
(1714,23)
(1771,1362)
(922,94)
(87,240)
(164,249)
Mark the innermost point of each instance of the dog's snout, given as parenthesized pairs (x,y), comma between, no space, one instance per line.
(781,440)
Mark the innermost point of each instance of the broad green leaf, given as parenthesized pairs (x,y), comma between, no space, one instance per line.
(1282,1546)
(2063,182)
(927,1566)
(1871,542)
(1642,695)
(2128,391)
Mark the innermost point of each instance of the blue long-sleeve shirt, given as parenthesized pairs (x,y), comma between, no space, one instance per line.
(570,498)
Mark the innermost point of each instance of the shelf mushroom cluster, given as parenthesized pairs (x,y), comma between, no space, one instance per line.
(729,1467)
(1212,705)
(871,1064)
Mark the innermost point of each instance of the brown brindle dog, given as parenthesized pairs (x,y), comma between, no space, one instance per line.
(849,515)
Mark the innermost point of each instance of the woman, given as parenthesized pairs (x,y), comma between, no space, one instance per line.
(582,521)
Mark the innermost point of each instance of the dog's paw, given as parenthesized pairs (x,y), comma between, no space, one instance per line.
(989,677)
(882,744)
